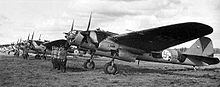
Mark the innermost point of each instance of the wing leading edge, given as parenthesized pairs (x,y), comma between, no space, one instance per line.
(160,38)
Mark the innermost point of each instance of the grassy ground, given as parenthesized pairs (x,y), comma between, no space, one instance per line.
(17,72)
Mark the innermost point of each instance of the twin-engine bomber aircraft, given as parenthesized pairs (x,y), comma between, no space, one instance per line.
(40,48)
(143,45)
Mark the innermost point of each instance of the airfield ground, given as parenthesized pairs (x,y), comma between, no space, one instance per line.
(17,72)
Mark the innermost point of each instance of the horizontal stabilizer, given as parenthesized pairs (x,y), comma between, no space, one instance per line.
(205,59)
(202,51)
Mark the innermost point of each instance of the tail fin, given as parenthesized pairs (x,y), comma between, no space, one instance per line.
(202,51)
(202,47)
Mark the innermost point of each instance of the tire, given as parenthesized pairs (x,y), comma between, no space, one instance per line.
(37,57)
(16,54)
(44,57)
(109,69)
(89,65)
(25,56)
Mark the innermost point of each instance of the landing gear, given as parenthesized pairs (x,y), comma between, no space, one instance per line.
(89,64)
(37,56)
(16,53)
(25,56)
(44,57)
(110,67)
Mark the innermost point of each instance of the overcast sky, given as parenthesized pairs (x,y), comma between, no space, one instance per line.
(51,18)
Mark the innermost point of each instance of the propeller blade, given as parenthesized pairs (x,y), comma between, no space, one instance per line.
(86,33)
(72,25)
(90,17)
(17,41)
(32,36)
(20,40)
(39,36)
(28,36)
(65,33)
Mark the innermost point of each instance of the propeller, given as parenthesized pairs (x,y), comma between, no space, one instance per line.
(90,17)
(20,40)
(29,41)
(32,36)
(28,37)
(72,26)
(40,37)
(86,33)
(17,41)
(71,29)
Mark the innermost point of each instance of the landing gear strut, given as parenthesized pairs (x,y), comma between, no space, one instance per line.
(43,56)
(89,64)
(110,67)
(16,53)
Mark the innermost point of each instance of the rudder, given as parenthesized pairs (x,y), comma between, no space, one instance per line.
(202,47)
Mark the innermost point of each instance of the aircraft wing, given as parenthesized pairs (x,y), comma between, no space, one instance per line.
(56,43)
(160,38)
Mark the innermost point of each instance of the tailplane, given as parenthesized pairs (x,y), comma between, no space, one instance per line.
(203,51)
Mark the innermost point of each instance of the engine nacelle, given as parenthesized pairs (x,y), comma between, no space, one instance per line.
(171,54)
(126,56)
(108,45)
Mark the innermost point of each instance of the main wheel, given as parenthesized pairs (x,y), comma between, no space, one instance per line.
(37,57)
(89,64)
(43,57)
(110,69)
(25,56)
(16,54)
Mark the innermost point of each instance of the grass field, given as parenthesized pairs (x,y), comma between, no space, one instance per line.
(17,72)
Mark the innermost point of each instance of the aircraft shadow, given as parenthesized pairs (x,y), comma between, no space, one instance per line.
(81,69)
(75,69)
(191,69)
(128,70)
